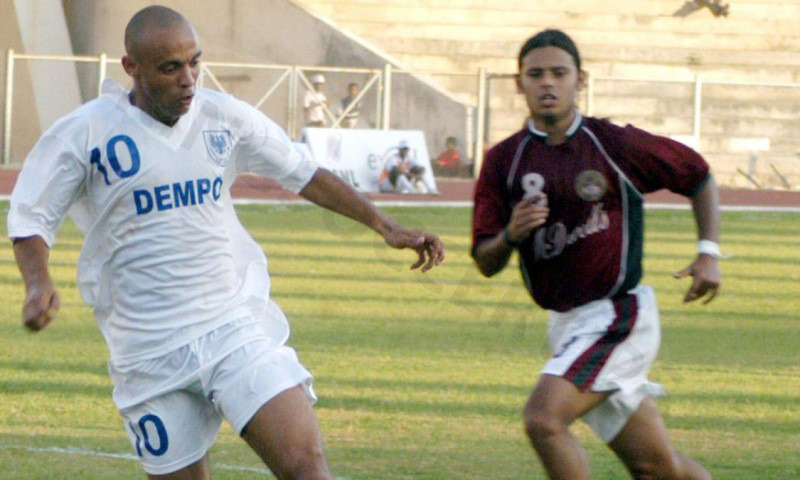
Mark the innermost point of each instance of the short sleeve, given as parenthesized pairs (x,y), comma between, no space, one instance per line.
(490,212)
(653,162)
(51,179)
(265,149)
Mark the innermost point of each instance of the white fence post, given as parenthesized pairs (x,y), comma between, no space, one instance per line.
(386,110)
(698,105)
(7,113)
(292,107)
(101,73)
(480,123)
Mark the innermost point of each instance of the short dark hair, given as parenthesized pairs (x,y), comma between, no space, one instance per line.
(154,15)
(550,38)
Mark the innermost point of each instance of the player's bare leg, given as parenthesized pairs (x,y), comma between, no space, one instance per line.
(285,433)
(199,470)
(644,448)
(554,404)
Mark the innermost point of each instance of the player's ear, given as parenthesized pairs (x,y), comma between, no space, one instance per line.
(518,81)
(583,77)
(130,66)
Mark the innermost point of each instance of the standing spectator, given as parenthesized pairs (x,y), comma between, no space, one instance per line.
(351,117)
(567,192)
(315,103)
(179,290)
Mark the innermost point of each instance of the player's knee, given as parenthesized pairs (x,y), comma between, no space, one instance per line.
(667,467)
(541,424)
(304,464)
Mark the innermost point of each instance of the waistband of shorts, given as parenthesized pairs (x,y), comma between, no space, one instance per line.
(236,316)
(639,291)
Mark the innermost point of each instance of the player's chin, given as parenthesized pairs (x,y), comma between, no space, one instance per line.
(176,112)
(182,108)
(551,116)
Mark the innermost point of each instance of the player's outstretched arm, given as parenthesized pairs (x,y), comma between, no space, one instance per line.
(328,191)
(41,299)
(704,270)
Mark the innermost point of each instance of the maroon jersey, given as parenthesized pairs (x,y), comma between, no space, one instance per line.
(591,245)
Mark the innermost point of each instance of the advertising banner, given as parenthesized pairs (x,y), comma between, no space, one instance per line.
(360,156)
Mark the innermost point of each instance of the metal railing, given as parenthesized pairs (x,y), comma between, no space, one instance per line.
(379,82)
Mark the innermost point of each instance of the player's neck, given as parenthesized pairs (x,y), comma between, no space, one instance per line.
(141,103)
(556,131)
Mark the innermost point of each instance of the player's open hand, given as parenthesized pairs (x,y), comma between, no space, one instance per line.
(705,279)
(527,215)
(41,305)
(427,245)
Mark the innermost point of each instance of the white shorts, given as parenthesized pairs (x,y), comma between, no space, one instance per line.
(228,373)
(608,346)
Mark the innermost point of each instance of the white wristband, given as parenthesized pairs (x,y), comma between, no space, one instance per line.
(707,247)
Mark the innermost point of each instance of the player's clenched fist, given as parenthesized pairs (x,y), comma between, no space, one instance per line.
(526,216)
(40,307)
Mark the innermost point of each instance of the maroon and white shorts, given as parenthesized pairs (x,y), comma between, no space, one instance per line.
(608,346)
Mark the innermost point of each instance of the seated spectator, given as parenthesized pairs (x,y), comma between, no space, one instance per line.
(402,174)
(448,163)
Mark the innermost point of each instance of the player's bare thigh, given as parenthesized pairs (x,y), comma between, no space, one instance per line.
(556,399)
(644,447)
(197,471)
(285,433)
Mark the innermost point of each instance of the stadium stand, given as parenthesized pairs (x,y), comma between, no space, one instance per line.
(757,42)
(660,46)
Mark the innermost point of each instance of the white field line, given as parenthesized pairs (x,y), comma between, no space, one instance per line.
(128,456)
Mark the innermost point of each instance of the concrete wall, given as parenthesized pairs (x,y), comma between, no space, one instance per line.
(656,39)
(25,122)
(55,83)
(271,31)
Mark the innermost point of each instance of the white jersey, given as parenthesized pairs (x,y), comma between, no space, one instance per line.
(165,259)
(314,102)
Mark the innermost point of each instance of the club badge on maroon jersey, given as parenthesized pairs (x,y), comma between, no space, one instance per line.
(218,145)
(590,185)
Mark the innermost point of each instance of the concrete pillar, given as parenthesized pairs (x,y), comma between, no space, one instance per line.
(43,28)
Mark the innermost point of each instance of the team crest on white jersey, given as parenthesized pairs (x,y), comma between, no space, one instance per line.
(218,145)
(590,185)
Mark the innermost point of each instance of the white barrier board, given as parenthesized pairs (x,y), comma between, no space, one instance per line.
(357,156)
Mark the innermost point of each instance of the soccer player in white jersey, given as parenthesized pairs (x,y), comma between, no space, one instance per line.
(179,290)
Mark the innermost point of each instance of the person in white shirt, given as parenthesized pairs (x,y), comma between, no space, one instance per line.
(402,173)
(315,103)
(179,289)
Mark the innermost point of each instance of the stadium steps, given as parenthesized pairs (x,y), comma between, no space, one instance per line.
(758,42)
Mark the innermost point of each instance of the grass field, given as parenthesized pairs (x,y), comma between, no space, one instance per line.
(424,376)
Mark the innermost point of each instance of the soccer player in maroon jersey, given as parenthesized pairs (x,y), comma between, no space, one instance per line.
(566,192)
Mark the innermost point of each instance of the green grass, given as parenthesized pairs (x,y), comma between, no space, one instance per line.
(424,376)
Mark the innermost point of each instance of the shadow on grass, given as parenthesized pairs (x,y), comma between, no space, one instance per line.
(438,408)
(54,388)
(429,386)
(44,366)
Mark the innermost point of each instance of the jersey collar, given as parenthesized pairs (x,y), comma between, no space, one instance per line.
(573,127)
(169,134)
